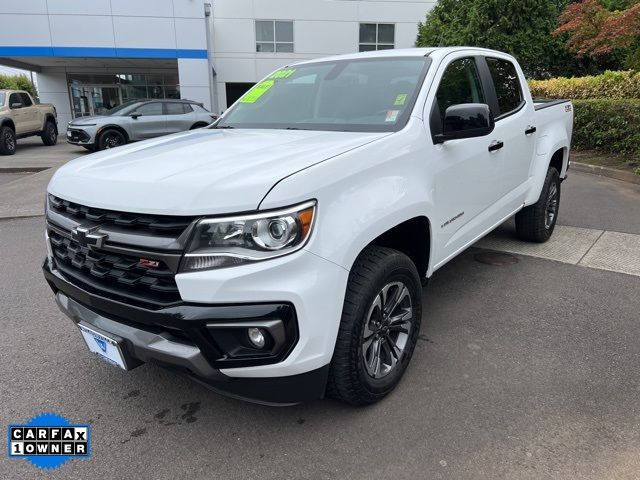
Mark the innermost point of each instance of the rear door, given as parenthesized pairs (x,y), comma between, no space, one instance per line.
(466,174)
(31,113)
(515,126)
(152,121)
(179,116)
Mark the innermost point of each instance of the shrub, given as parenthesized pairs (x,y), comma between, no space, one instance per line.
(607,125)
(614,85)
(17,82)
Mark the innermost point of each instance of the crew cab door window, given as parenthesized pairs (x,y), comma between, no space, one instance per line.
(507,85)
(460,84)
(26,100)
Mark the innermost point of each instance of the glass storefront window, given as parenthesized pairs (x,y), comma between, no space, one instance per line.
(94,94)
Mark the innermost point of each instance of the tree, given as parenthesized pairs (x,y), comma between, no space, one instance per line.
(520,27)
(17,82)
(599,29)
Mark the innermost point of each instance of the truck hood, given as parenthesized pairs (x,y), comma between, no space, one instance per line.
(201,172)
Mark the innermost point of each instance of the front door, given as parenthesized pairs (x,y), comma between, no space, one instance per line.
(18,113)
(466,174)
(152,121)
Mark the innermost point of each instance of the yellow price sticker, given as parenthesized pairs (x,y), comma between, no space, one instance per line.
(285,73)
(400,99)
(257,91)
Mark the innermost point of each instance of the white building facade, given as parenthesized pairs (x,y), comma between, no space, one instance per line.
(93,55)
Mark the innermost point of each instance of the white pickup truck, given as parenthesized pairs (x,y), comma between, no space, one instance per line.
(279,254)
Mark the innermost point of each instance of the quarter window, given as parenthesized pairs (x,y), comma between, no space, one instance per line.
(505,79)
(377,36)
(274,36)
(460,84)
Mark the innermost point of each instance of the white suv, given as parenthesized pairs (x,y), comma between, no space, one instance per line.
(279,254)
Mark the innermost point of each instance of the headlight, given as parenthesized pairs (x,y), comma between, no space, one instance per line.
(226,242)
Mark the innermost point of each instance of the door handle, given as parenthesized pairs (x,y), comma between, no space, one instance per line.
(496,145)
(530,130)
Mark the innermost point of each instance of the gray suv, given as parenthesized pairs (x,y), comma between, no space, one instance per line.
(137,120)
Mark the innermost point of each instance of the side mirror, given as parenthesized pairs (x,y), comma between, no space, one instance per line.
(466,120)
(16,105)
(135,115)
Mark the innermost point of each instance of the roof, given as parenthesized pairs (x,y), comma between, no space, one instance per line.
(401,52)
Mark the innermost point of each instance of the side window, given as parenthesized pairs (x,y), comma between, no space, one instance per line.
(187,108)
(460,84)
(26,100)
(505,79)
(151,109)
(174,108)
(14,98)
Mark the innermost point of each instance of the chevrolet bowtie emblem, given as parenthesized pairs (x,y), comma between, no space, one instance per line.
(87,237)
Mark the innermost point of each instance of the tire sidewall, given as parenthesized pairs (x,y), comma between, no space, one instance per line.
(552,177)
(105,134)
(5,134)
(50,135)
(393,271)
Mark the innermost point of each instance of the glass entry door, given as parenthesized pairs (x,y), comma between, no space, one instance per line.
(89,100)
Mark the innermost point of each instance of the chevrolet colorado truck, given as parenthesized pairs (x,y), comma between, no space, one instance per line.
(279,254)
(21,117)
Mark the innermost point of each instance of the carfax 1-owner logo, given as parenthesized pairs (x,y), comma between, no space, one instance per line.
(49,440)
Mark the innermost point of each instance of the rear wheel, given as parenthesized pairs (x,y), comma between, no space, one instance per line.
(7,141)
(49,134)
(536,222)
(379,327)
(110,139)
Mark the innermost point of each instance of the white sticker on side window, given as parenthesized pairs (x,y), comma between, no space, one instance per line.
(392,115)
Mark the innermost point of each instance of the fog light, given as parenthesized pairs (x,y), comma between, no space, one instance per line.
(256,336)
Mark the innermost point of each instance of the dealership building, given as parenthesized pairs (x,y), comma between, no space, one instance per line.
(90,56)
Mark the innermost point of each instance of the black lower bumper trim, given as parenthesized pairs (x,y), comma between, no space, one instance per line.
(274,391)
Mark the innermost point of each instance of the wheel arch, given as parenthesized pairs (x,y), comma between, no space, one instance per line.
(49,117)
(7,122)
(112,126)
(411,237)
(198,125)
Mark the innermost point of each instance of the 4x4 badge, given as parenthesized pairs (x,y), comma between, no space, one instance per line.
(87,237)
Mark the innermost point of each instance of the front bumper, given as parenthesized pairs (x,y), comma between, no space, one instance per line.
(176,338)
(80,136)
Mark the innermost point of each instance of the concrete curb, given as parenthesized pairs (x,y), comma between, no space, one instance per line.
(23,169)
(605,172)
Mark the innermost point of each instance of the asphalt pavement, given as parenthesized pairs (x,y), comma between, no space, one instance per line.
(526,371)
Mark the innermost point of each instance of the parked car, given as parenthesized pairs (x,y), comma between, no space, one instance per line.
(21,117)
(137,120)
(280,253)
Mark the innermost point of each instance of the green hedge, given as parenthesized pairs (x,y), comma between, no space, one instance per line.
(17,82)
(607,125)
(614,85)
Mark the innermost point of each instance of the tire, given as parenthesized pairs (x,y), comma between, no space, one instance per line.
(49,134)
(198,125)
(536,222)
(111,138)
(352,373)
(7,141)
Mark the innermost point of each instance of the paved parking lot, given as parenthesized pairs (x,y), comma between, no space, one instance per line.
(523,371)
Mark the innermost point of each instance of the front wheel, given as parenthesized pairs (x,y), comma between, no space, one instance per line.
(7,141)
(49,134)
(536,222)
(379,327)
(111,139)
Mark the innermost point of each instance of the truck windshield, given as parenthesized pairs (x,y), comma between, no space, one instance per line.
(362,95)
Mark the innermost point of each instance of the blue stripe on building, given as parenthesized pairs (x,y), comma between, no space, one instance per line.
(98,52)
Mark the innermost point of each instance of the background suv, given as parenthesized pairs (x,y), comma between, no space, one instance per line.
(137,120)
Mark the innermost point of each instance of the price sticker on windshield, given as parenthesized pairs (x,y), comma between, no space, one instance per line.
(256,92)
